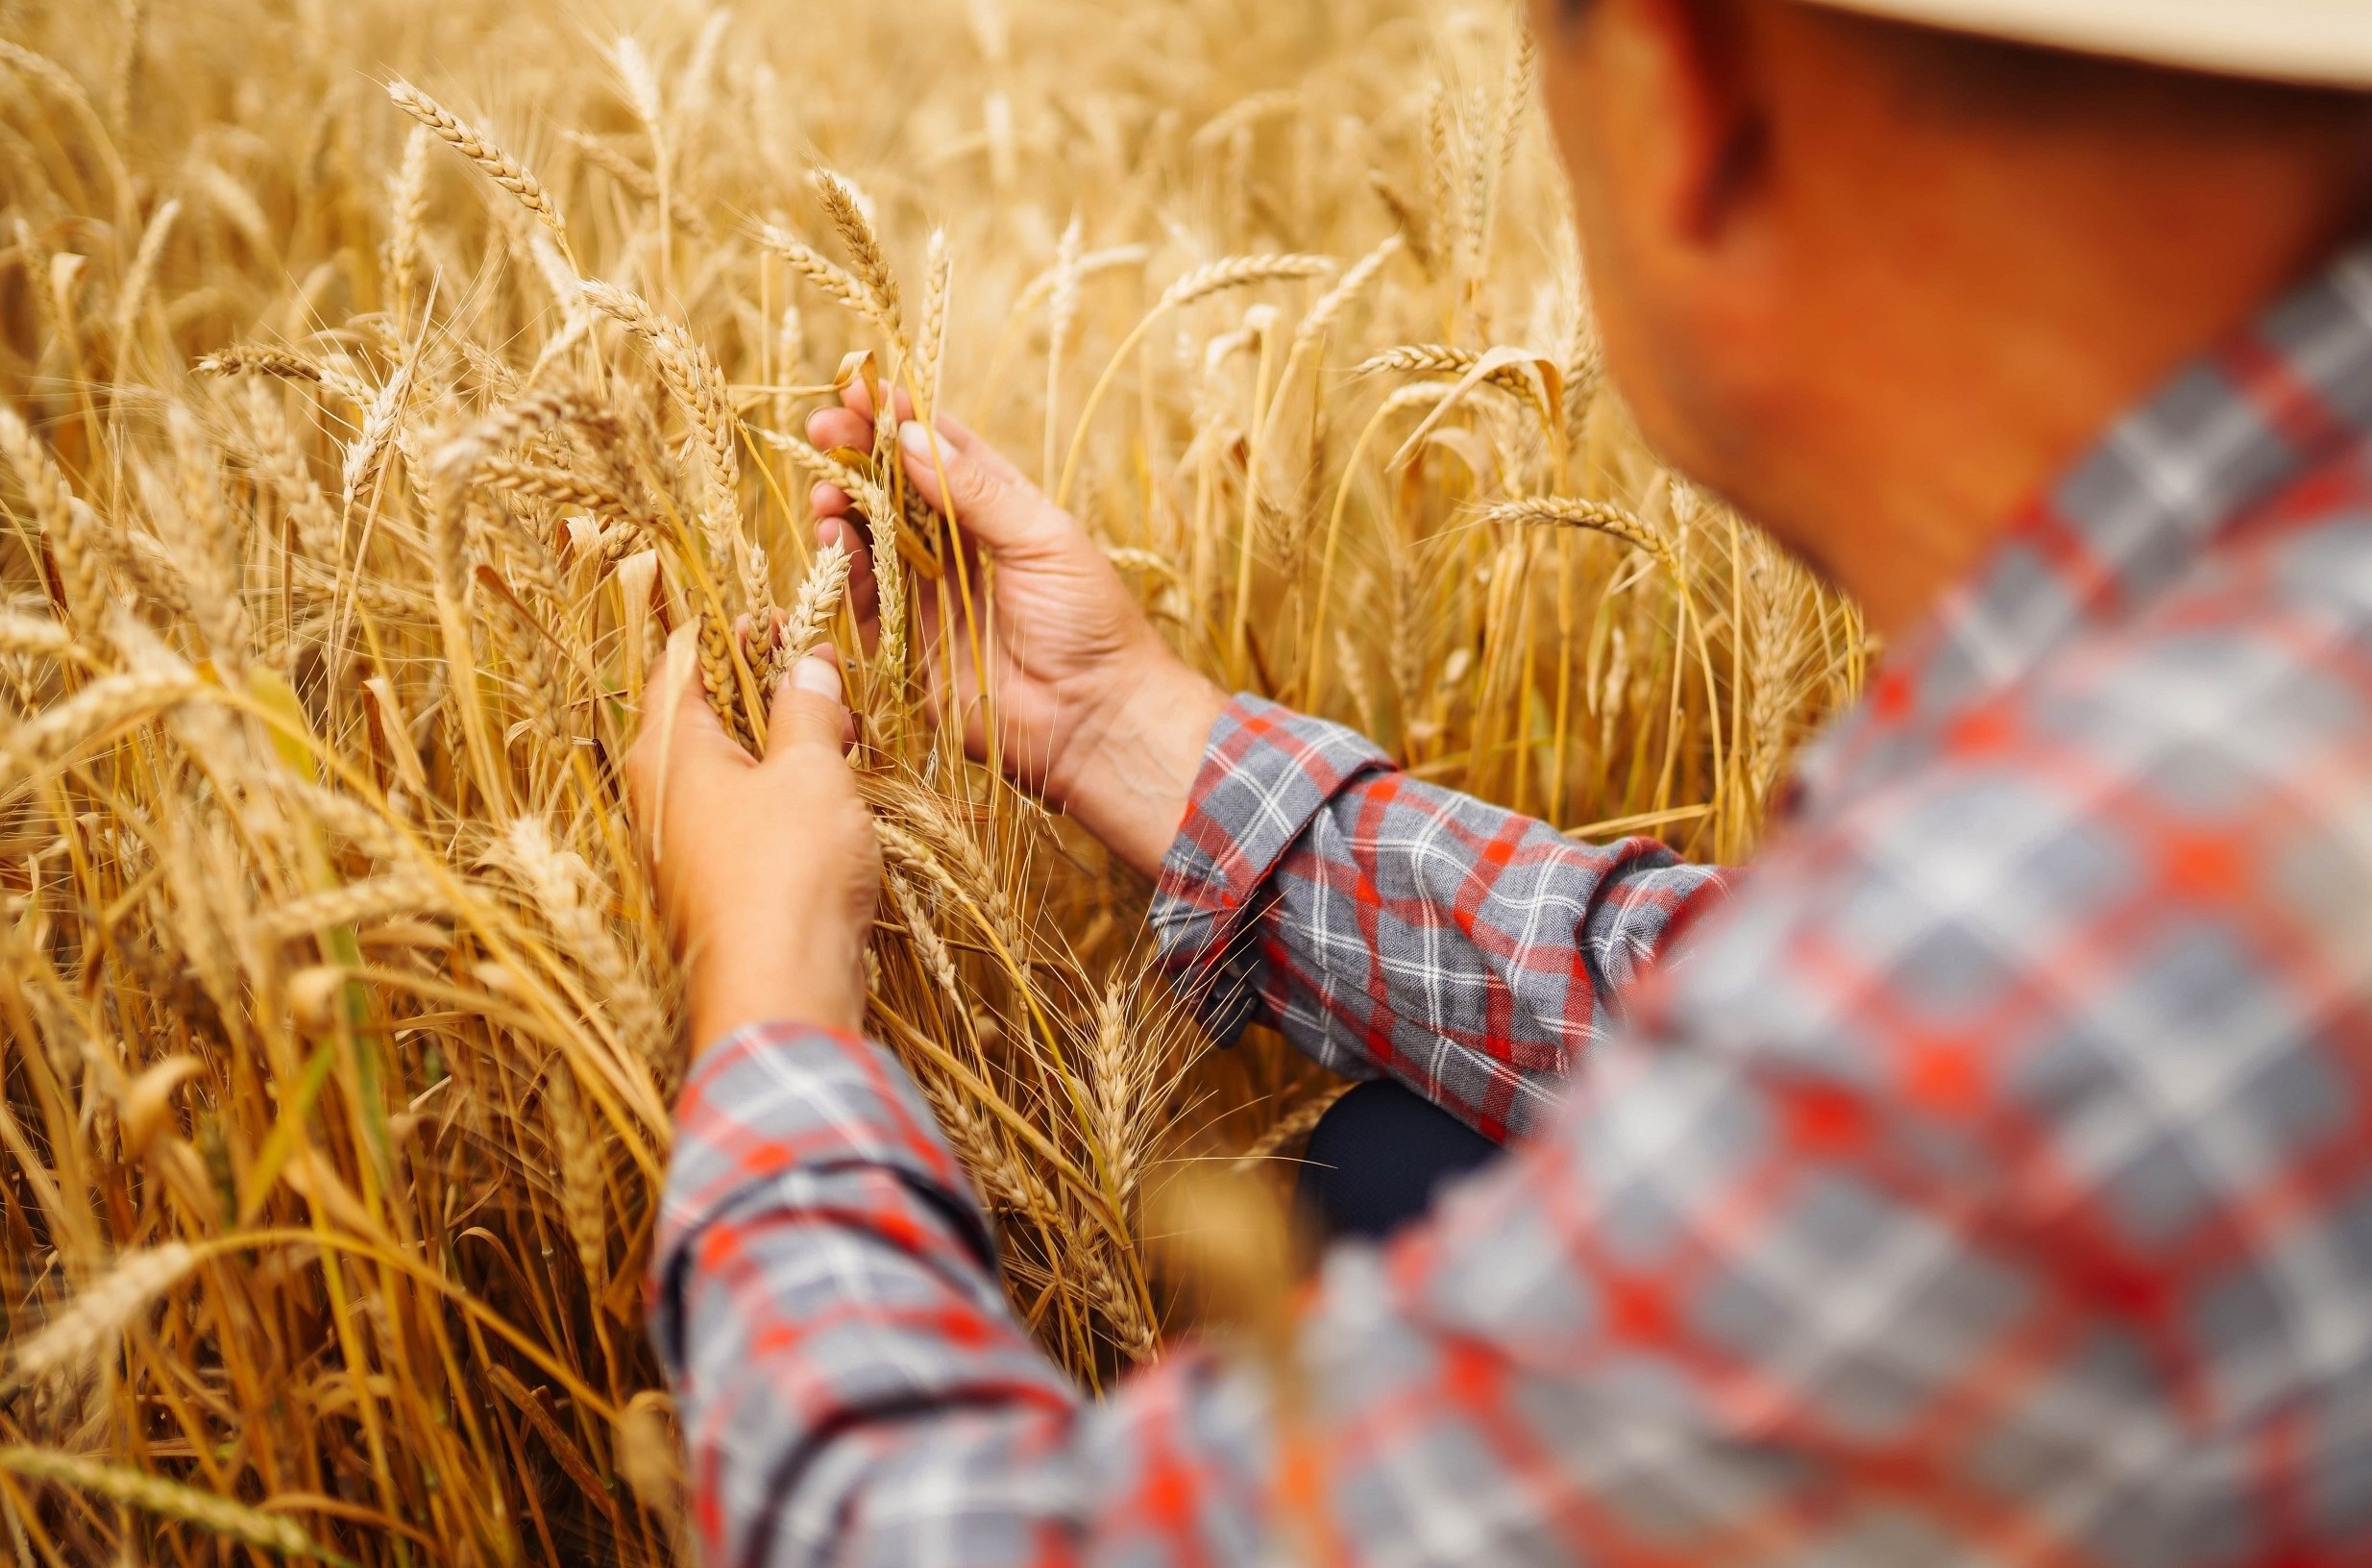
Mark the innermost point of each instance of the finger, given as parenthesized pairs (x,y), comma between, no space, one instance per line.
(807,710)
(858,399)
(959,435)
(682,699)
(745,627)
(677,724)
(828,429)
(863,593)
(828,501)
(994,505)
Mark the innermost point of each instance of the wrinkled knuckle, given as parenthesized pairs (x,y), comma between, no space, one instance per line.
(820,719)
(973,486)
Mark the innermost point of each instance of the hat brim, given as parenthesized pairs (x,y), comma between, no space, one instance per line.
(2317,42)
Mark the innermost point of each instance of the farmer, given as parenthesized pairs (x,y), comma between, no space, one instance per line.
(1992,1180)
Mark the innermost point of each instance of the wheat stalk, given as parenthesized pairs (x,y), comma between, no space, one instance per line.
(818,599)
(822,465)
(811,265)
(1291,1127)
(100,1312)
(483,151)
(1093,264)
(133,296)
(931,344)
(123,83)
(107,703)
(369,827)
(1336,301)
(1595,516)
(407,201)
(637,180)
(557,487)
(70,530)
(647,1450)
(63,85)
(219,1515)
(208,547)
(881,523)
(1115,1072)
(1443,228)
(937,961)
(31,634)
(1419,359)
(693,378)
(580,1174)
(256,359)
(381,415)
(1413,230)
(846,211)
(1202,283)
(566,889)
(356,903)
(1241,272)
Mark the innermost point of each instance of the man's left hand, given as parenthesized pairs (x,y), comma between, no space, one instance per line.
(767,871)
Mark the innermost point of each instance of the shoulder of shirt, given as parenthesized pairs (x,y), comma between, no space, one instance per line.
(2199,731)
(2268,627)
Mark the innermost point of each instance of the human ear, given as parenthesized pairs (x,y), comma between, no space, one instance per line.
(1695,113)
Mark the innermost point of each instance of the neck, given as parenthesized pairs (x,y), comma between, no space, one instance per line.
(1982,319)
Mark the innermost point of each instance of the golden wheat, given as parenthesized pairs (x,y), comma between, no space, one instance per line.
(101,1311)
(482,149)
(356,502)
(216,1515)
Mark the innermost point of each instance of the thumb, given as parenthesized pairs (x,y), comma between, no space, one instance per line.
(807,709)
(995,505)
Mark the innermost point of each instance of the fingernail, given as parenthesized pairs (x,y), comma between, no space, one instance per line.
(820,676)
(915,439)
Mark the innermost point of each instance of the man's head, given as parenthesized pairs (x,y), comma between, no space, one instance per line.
(1876,281)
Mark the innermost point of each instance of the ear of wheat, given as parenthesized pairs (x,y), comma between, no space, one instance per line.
(104,1308)
(214,1514)
(482,149)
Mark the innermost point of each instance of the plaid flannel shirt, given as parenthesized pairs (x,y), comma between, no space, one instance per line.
(1990,1181)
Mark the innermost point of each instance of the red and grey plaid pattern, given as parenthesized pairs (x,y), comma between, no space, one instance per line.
(1389,925)
(1993,1183)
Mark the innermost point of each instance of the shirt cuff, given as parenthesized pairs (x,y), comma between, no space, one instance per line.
(772,1109)
(1266,772)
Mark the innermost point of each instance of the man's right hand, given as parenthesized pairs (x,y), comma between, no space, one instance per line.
(1094,711)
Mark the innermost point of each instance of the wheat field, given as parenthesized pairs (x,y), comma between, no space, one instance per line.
(383,388)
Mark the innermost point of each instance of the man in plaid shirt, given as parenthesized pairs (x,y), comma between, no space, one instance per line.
(1992,1182)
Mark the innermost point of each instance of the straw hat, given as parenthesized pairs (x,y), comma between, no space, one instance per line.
(2322,41)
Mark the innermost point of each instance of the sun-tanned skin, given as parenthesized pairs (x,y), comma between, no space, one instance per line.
(1098,715)
(1748,176)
